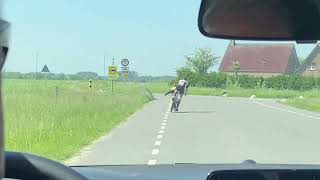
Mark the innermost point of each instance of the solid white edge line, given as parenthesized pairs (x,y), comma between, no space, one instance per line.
(285,110)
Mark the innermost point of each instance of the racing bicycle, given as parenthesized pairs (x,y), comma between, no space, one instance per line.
(175,101)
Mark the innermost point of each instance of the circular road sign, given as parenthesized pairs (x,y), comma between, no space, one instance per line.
(113,70)
(125,62)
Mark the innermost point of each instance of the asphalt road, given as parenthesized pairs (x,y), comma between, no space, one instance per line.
(209,130)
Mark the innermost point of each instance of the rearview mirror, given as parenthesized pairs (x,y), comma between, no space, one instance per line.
(4,41)
(260,20)
(265,175)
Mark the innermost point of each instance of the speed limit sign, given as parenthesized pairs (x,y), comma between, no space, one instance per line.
(125,62)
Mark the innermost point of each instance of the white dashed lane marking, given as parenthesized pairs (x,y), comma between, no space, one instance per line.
(155,151)
(152,162)
(157,143)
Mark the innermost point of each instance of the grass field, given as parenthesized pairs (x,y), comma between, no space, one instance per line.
(56,125)
(40,122)
(311,100)
(311,104)
(236,91)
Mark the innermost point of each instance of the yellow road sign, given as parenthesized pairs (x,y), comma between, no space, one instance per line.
(125,75)
(113,71)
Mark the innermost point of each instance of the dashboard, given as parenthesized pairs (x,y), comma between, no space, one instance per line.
(175,171)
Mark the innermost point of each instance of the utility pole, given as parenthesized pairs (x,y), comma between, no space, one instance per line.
(36,75)
(112,78)
(104,66)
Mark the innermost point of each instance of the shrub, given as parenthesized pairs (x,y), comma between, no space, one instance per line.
(220,80)
(260,81)
(246,81)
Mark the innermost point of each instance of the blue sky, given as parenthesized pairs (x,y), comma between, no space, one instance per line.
(74,35)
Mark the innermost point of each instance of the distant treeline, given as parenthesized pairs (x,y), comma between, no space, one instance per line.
(133,76)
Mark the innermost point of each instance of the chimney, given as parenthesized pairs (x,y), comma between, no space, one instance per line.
(232,43)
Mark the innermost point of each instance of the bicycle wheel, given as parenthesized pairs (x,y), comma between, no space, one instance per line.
(173,106)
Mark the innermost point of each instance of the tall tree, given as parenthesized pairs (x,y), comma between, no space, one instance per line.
(235,67)
(201,61)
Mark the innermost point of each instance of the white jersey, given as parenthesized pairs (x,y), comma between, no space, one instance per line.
(183,82)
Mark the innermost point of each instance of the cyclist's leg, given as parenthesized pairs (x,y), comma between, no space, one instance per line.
(178,102)
(181,94)
(179,99)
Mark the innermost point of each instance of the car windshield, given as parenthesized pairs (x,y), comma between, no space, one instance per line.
(135,82)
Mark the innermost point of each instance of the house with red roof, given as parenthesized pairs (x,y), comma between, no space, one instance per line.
(261,59)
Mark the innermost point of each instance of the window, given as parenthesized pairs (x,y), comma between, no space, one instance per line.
(312,67)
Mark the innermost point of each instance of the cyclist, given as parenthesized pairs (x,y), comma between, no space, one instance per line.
(181,86)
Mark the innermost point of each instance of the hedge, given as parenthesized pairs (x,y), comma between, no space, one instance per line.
(220,80)
(293,82)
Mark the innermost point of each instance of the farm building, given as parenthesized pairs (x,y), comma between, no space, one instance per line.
(260,59)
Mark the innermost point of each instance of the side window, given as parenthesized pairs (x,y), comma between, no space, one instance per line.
(312,67)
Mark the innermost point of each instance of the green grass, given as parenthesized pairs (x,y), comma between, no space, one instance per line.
(235,91)
(37,121)
(311,104)
(311,100)
(258,92)
(157,87)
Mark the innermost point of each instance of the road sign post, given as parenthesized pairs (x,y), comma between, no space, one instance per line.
(113,74)
(45,70)
(57,92)
(125,73)
(125,69)
(124,62)
(125,77)
(90,84)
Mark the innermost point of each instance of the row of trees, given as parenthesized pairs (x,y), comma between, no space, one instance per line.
(133,76)
(52,76)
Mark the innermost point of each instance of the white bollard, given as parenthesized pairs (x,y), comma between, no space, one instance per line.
(253,96)
(283,100)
